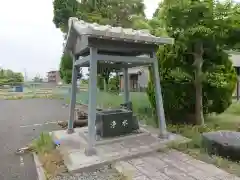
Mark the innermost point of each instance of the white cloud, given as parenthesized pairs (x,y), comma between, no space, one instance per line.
(28,38)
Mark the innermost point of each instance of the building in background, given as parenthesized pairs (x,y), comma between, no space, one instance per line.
(235,57)
(138,79)
(53,77)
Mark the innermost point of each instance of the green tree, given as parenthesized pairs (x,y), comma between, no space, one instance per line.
(100,82)
(8,77)
(63,9)
(37,78)
(66,68)
(201,30)
(114,84)
(113,12)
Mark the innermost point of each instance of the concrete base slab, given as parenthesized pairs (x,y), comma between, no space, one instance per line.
(108,151)
(70,131)
(90,151)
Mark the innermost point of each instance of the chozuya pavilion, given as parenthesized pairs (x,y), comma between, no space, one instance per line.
(97,47)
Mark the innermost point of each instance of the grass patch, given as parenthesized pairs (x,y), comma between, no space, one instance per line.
(234,109)
(123,177)
(141,105)
(48,155)
(43,144)
(29,96)
(43,93)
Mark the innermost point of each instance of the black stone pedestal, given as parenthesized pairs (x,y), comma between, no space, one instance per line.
(223,143)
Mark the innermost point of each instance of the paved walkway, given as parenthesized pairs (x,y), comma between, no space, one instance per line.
(173,165)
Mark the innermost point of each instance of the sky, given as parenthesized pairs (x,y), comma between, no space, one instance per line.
(29,41)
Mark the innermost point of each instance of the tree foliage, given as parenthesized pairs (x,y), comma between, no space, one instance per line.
(66,68)
(100,82)
(112,12)
(196,69)
(114,84)
(37,79)
(8,77)
(63,9)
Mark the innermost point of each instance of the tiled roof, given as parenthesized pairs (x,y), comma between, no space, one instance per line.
(109,32)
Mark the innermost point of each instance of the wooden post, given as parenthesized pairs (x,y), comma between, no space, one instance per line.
(126,85)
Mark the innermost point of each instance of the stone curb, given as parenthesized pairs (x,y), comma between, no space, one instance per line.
(39,168)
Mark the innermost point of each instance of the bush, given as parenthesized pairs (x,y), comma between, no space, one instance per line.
(114,83)
(100,82)
(43,143)
(176,74)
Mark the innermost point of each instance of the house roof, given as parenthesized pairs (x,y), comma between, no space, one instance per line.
(134,70)
(54,71)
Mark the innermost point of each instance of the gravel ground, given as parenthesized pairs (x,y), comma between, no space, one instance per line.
(104,173)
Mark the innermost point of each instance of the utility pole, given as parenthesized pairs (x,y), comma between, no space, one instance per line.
(25,75)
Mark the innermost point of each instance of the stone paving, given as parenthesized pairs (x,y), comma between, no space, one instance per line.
(172,165)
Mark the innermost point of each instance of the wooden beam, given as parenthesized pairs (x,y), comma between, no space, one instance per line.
(82,61)
(125,59)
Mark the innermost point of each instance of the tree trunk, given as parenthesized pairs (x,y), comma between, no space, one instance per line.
(106,84)
(198,83)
